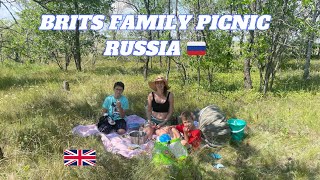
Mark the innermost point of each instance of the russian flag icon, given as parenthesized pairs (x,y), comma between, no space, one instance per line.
(196,48)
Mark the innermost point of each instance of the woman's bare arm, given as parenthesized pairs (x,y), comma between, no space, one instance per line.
(149,108)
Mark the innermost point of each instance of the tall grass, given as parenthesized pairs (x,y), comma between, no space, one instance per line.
(37,116)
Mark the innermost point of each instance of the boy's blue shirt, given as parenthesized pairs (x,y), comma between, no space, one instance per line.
(110,104)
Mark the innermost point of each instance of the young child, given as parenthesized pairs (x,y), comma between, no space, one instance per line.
(167,133)
(192,135)
(169,142)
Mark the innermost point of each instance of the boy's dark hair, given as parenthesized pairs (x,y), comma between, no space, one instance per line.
(119,83)
(187,115)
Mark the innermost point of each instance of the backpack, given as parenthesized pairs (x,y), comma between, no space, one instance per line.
(103,124)
(213,125)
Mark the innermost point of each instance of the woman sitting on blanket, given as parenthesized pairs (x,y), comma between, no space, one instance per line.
(160,104)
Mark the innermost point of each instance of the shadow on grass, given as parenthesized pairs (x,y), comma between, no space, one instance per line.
(231,110)
(44,137)
(272,168)
(299,64)
(116,166)
(220,86)
(296,83)
(51,106)
(191,170)
(292,65)
(9,82)
(107,70)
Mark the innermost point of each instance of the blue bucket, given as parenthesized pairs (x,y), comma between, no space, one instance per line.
(237,128)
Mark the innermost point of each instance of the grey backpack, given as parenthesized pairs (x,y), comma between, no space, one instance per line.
(213,125)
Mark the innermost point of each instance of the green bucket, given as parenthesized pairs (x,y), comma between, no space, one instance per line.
(237,128)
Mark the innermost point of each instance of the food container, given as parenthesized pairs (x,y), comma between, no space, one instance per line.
(138,137)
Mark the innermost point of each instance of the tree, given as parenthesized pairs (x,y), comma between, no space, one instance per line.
(76,7)
(271,45)
(147,7)
(315,11)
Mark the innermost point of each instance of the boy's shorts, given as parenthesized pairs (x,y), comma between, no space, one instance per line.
(106,128)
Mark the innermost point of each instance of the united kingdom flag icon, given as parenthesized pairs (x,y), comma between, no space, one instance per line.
(79,157)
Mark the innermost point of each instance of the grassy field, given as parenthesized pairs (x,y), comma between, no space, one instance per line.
(37,116)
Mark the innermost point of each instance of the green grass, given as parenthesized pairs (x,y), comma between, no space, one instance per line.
(37,116)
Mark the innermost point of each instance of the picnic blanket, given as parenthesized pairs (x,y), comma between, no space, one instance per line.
(114,143)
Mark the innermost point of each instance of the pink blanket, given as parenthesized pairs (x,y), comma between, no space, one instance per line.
(115,143)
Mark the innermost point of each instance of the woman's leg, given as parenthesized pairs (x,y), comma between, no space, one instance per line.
(149,131)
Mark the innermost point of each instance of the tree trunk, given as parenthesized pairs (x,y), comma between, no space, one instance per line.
(146,66)
(114,35)
(247,64)
(145,69)
(67,60)
(1,59)
(1,154)
(178,25)
(247,76)
(269,70)
(160,57)
(17,57)
(306,71)
(169,67)
(198,39)
(95,53)
(169,58)
(265,87)
(77,54)
(279,37)
(55,55)
(210,74)
(273,74)
(180,64)
(241,42)
(184,71)
(198,70)
(261,69)
(228,64)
